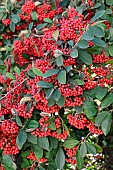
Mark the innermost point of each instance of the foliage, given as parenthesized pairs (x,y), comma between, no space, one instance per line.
(56,82)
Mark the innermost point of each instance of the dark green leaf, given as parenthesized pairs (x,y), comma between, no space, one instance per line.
(60,159)
(17,70)
(51,72)
(10,75)
(40,26)
(12,26)
(21,138)
(98,148)
(44,143)
(71,42)
(38,153)
(83,150)
(61,101)
(70,143)
(109,2)
(85,57)
(33,124)
(37,72)
(90,109)
(97,31)
(59,61)
(101,117)
(49,93)
(51,102)
(34,15)
(100,92)
(30,26)
(91,149)
(110,48)
(7,160)
(15,19)
(26,56)
(52,126)
(99,42)
(88,35)
(44,84)
(107,101)
(83,44)
(106,124)
(79,82)
(79,160)
(57,94)
(32,138)
(18,121)
(97,15)
(48,20)
(74,53)
(62,77)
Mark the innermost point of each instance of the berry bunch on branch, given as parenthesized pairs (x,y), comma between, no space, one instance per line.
(56,81)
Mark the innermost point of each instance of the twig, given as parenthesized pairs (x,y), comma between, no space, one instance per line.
(13,89)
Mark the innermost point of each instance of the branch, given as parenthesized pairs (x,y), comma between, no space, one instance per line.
(13,89)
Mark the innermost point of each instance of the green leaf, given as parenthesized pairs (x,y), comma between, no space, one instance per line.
(17,70)
(101,117)
(60,159)
(49,93)
(85,57)
(38,153)
(106,124)
(40,26)
(33,124)
(59,61)
(55,35)
(109,2)
(74,53)
(98,148)
(51,102)
(7,160)
(44,84)
(62,77)
(97,31)
(31,73)
(30,26)
(107,101)
(79,82)
(83,44)
(83,149)
(12,26)
(26,56)
(37,72)
(21,138)
(48,20)
(100,92)
(109,62)
(61,101)
(70,143)
(18,121)
(52,126)
(15,19)
(99,42)
(71,43)
(90,109)
(51,72)
(57,94)
(32,138)
(79,160)
(34,16)
(91,149)
(25,154)
(110,49)
(88,35)
(44,143)
(97,15)
(10,75)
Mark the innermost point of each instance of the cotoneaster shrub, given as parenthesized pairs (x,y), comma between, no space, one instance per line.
(56,65)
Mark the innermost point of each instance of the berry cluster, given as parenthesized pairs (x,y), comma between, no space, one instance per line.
(81,122)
